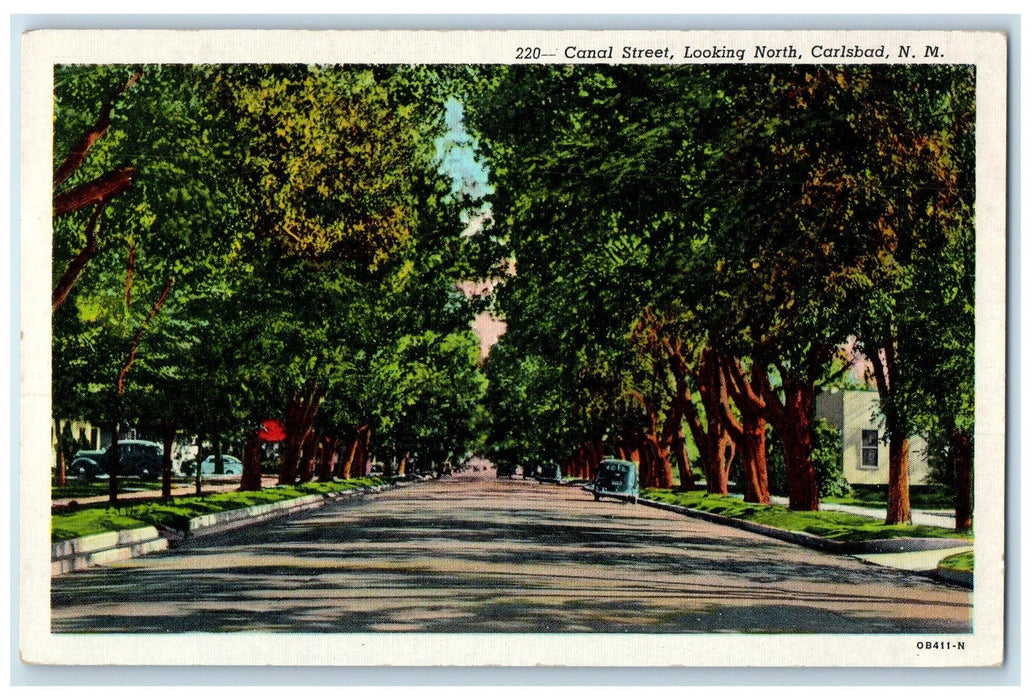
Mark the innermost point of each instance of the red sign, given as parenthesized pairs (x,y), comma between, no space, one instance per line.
(272,431)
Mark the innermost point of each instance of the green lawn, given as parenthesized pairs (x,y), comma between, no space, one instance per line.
(91,521)
(877,497)
(178,512)
(842,527)
(83,489)
(963,562)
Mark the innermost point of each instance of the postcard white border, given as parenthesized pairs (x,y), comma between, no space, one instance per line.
(43,49)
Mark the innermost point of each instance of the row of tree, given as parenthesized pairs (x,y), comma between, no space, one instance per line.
(700,249)
(238,243)
(697,250)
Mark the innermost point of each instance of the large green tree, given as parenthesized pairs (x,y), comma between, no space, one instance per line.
(127,257)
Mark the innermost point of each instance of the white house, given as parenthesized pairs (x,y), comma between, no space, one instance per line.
(83,432)
(865,450)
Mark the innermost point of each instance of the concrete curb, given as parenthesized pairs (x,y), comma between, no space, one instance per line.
(960,578)
(215,523)
(107,547)
(83,552)
(907,544)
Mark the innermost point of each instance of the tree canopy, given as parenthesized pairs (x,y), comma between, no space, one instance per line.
(683,256)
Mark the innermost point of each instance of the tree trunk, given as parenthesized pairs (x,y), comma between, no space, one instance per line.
(343,466)
(660,473)
(885,374)
(358,454)
(753,459)
(196,472)
(62,462)
(346,470)
(899,512)
(120,391)
(576,462)
(750,431)
(309,457)
(679,450)
(803,486)
(220,465)
(579,462)
(714,443)
(168,438)
(720,469)
(114,462)
(792,419)
(596,458)
(250,480)
(300,417)
(366,451)
(962,457)
(328,459)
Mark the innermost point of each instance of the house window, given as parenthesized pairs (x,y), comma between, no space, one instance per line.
(871,448)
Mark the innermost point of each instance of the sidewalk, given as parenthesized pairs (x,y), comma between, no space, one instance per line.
(919,560)
(936,518)
(922,562)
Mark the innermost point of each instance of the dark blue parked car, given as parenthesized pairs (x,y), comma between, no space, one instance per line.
(617,478)
(550,472)
(138,458)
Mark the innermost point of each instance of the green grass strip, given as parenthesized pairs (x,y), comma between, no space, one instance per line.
(963,562)
(178,512)
(92,521)
(832,525)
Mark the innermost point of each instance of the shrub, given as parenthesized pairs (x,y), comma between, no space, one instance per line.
(827,460)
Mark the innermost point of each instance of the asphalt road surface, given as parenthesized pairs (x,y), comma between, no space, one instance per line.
(472,553)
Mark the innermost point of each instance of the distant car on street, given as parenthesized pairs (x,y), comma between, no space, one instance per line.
(506,471)
(617,478)
(136,458)
(549,472)
(230,466)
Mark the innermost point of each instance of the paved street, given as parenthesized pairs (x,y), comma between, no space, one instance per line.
(472,553)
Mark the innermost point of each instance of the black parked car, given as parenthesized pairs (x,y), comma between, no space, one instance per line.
(550,472)
(138,458)
(506,471)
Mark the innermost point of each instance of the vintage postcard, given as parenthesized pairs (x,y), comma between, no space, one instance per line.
(518,348)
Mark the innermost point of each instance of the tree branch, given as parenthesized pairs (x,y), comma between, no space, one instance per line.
(78,263)
(78,154)
(129,269)
(95,191)
(139,335)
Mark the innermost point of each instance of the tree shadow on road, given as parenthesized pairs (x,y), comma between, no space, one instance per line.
(607,570)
